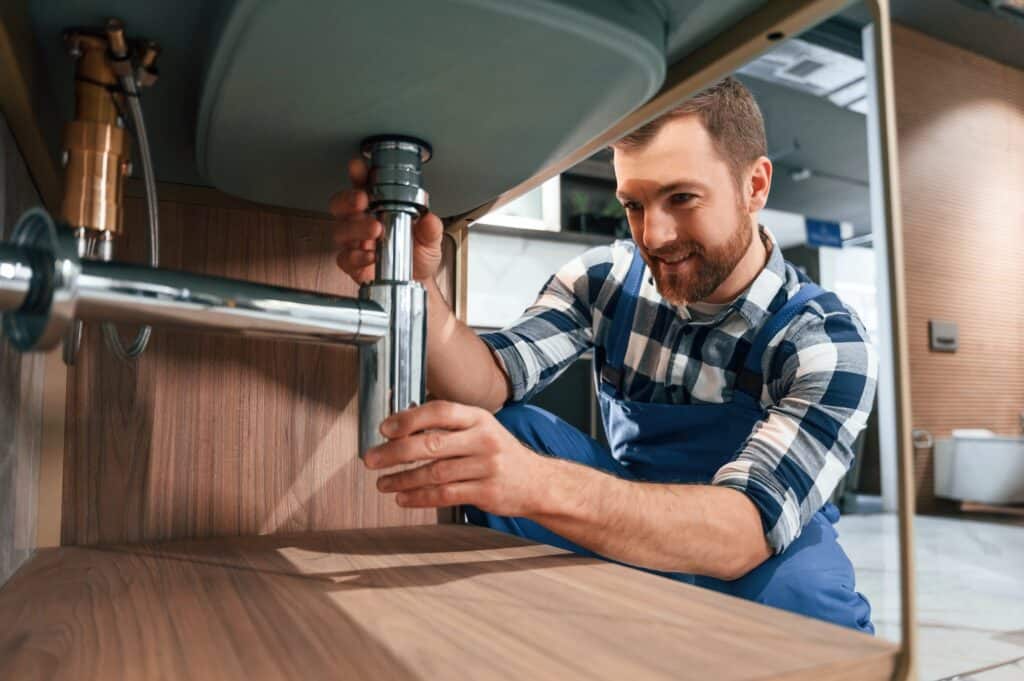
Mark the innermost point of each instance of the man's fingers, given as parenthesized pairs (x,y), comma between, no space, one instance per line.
(436,414)
(452,494)
(358,171)
(440,472)
(348,202)
(356,259)
(435,444)
(360,275)
(357,231)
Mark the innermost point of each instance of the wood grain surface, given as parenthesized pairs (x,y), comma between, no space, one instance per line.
(209,435)
(21,390)
(432,602)
(961,157)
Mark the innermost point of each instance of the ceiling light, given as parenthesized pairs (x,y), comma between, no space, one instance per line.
(807,67)
(860,106)
(849,94)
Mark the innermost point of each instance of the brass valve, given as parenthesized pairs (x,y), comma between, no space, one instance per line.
(96,145)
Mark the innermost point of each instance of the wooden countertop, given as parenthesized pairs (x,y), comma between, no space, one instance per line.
(436,602)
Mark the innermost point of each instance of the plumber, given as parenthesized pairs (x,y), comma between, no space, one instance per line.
(731,387)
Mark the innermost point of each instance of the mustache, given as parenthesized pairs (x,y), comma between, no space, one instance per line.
(677,251)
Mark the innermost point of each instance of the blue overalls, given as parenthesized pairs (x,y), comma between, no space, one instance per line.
(688,443)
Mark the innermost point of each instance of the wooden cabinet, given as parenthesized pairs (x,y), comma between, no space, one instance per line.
(431,602)
(206,435)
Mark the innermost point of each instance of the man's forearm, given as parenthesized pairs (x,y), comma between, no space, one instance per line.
(460,366)
(698,529)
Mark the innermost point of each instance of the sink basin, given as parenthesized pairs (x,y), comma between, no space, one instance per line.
(268,99)
(499,88)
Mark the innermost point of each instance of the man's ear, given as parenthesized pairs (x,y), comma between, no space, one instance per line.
(760,184)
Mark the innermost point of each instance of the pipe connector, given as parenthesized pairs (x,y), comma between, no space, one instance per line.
(396,179)
(49,308)
(397,198)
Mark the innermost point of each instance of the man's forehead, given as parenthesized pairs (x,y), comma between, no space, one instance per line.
(681,148)
(682,131)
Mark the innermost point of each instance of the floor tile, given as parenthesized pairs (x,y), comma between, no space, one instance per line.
(1013,671)
(970,588)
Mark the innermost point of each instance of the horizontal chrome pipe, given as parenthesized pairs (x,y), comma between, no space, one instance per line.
(45,286)
(15,277)
(118,292)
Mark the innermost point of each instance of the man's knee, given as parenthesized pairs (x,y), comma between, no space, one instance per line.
(824,594)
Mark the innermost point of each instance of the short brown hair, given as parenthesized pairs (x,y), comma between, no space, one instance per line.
(729,114)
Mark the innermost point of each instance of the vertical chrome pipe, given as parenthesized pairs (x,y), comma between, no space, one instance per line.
(392,371)
(394,251)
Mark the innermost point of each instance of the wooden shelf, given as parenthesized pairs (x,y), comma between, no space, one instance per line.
(432,602)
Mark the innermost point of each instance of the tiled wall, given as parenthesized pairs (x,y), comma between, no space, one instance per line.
(507,269)
(960,122)
(21,392)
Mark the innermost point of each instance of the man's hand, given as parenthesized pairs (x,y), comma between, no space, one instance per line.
(357,232)
(467,458)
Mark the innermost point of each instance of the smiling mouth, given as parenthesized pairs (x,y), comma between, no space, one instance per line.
(675,261)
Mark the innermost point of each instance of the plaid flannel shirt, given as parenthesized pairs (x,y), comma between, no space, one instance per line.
(820,371)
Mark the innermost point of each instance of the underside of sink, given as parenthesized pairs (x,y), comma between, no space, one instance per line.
(268,100)
(498,88)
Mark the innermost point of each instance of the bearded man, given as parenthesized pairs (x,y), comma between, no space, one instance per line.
(731,387)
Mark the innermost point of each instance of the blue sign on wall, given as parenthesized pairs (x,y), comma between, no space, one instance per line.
(823,233)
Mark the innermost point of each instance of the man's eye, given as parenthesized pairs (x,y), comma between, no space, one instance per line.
(631,206)
(682,198)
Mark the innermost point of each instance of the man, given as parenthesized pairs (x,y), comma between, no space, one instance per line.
(731,389)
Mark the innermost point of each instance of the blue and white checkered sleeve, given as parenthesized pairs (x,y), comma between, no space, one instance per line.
(820,389)
(556,329)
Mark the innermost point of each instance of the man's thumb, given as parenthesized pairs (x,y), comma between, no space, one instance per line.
(428,231)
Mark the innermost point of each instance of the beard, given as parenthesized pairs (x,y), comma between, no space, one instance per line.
(703,270)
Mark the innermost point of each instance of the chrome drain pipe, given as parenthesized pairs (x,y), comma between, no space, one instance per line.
(15,277)
(44,286)
(392,372)
(137,294)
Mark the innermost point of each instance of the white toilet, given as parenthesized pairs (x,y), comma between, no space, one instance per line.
(979,466)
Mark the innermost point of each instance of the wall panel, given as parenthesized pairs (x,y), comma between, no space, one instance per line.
(961,144)
(209,435)
(21,391)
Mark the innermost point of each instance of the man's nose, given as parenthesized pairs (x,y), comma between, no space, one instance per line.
(659,230)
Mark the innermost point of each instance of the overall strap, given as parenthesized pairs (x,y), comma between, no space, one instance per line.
(750,380)
(625,309)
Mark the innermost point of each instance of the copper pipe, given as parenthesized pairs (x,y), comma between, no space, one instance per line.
(149,56)
(95,145)
(115,37)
